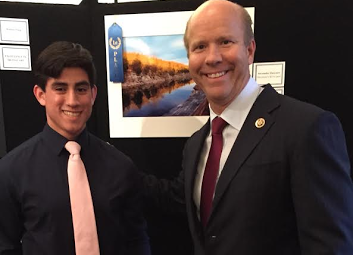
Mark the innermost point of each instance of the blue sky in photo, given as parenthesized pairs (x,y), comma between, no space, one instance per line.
(166,47)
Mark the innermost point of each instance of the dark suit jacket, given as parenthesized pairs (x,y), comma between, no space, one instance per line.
(285,188)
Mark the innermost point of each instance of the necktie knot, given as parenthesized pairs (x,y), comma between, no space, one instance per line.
(218,125)
(73,147)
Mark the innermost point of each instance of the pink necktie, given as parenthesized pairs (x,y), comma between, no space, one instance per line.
(83,219)
(211,169)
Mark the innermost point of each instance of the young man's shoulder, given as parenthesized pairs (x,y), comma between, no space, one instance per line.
(108,149)
(22,151)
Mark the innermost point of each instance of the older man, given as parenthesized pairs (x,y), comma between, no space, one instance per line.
(267,174)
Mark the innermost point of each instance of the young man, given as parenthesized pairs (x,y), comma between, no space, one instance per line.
(36,216)
(281,184)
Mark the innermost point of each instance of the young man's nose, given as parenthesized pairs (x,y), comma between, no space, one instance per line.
(72,97)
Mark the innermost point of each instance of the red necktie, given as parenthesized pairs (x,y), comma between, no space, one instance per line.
(211,169)
(83,219)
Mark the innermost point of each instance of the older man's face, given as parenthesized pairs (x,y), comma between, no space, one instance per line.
(218,58)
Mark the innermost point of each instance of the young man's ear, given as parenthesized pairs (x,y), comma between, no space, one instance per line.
(39,94)
(94,94)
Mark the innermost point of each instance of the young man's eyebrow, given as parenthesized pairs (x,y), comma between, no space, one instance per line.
(59,83)
(80,83)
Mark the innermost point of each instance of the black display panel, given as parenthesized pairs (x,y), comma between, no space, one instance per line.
(2,129)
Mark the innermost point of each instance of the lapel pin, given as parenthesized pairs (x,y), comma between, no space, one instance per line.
(260,123)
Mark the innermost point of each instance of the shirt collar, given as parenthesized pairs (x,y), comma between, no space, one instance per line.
(56,142)
(236,113)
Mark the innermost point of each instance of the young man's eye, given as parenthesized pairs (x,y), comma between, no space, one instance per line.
(82,89)
(59,89)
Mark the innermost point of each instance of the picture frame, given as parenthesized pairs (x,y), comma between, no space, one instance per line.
(140,25)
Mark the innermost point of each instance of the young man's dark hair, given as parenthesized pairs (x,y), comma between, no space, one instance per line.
(59,55)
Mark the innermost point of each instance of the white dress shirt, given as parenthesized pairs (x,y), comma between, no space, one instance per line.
(235,115)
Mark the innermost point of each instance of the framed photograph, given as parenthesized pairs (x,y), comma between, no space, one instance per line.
(150,90)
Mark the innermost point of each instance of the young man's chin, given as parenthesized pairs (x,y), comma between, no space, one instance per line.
(70,133)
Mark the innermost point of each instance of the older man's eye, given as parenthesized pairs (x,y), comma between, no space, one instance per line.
(199,47)
(226,42)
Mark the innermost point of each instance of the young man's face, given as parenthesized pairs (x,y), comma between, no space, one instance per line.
(68,101)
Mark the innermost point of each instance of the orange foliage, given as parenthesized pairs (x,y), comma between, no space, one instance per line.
(153,61)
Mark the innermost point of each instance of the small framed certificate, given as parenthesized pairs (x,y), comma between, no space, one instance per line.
(15,58)
(270,72)
(14,31)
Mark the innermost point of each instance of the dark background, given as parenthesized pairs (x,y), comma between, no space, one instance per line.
(2,129)
(311,36)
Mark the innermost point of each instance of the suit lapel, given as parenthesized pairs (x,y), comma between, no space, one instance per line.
(194,147)
(248,138)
